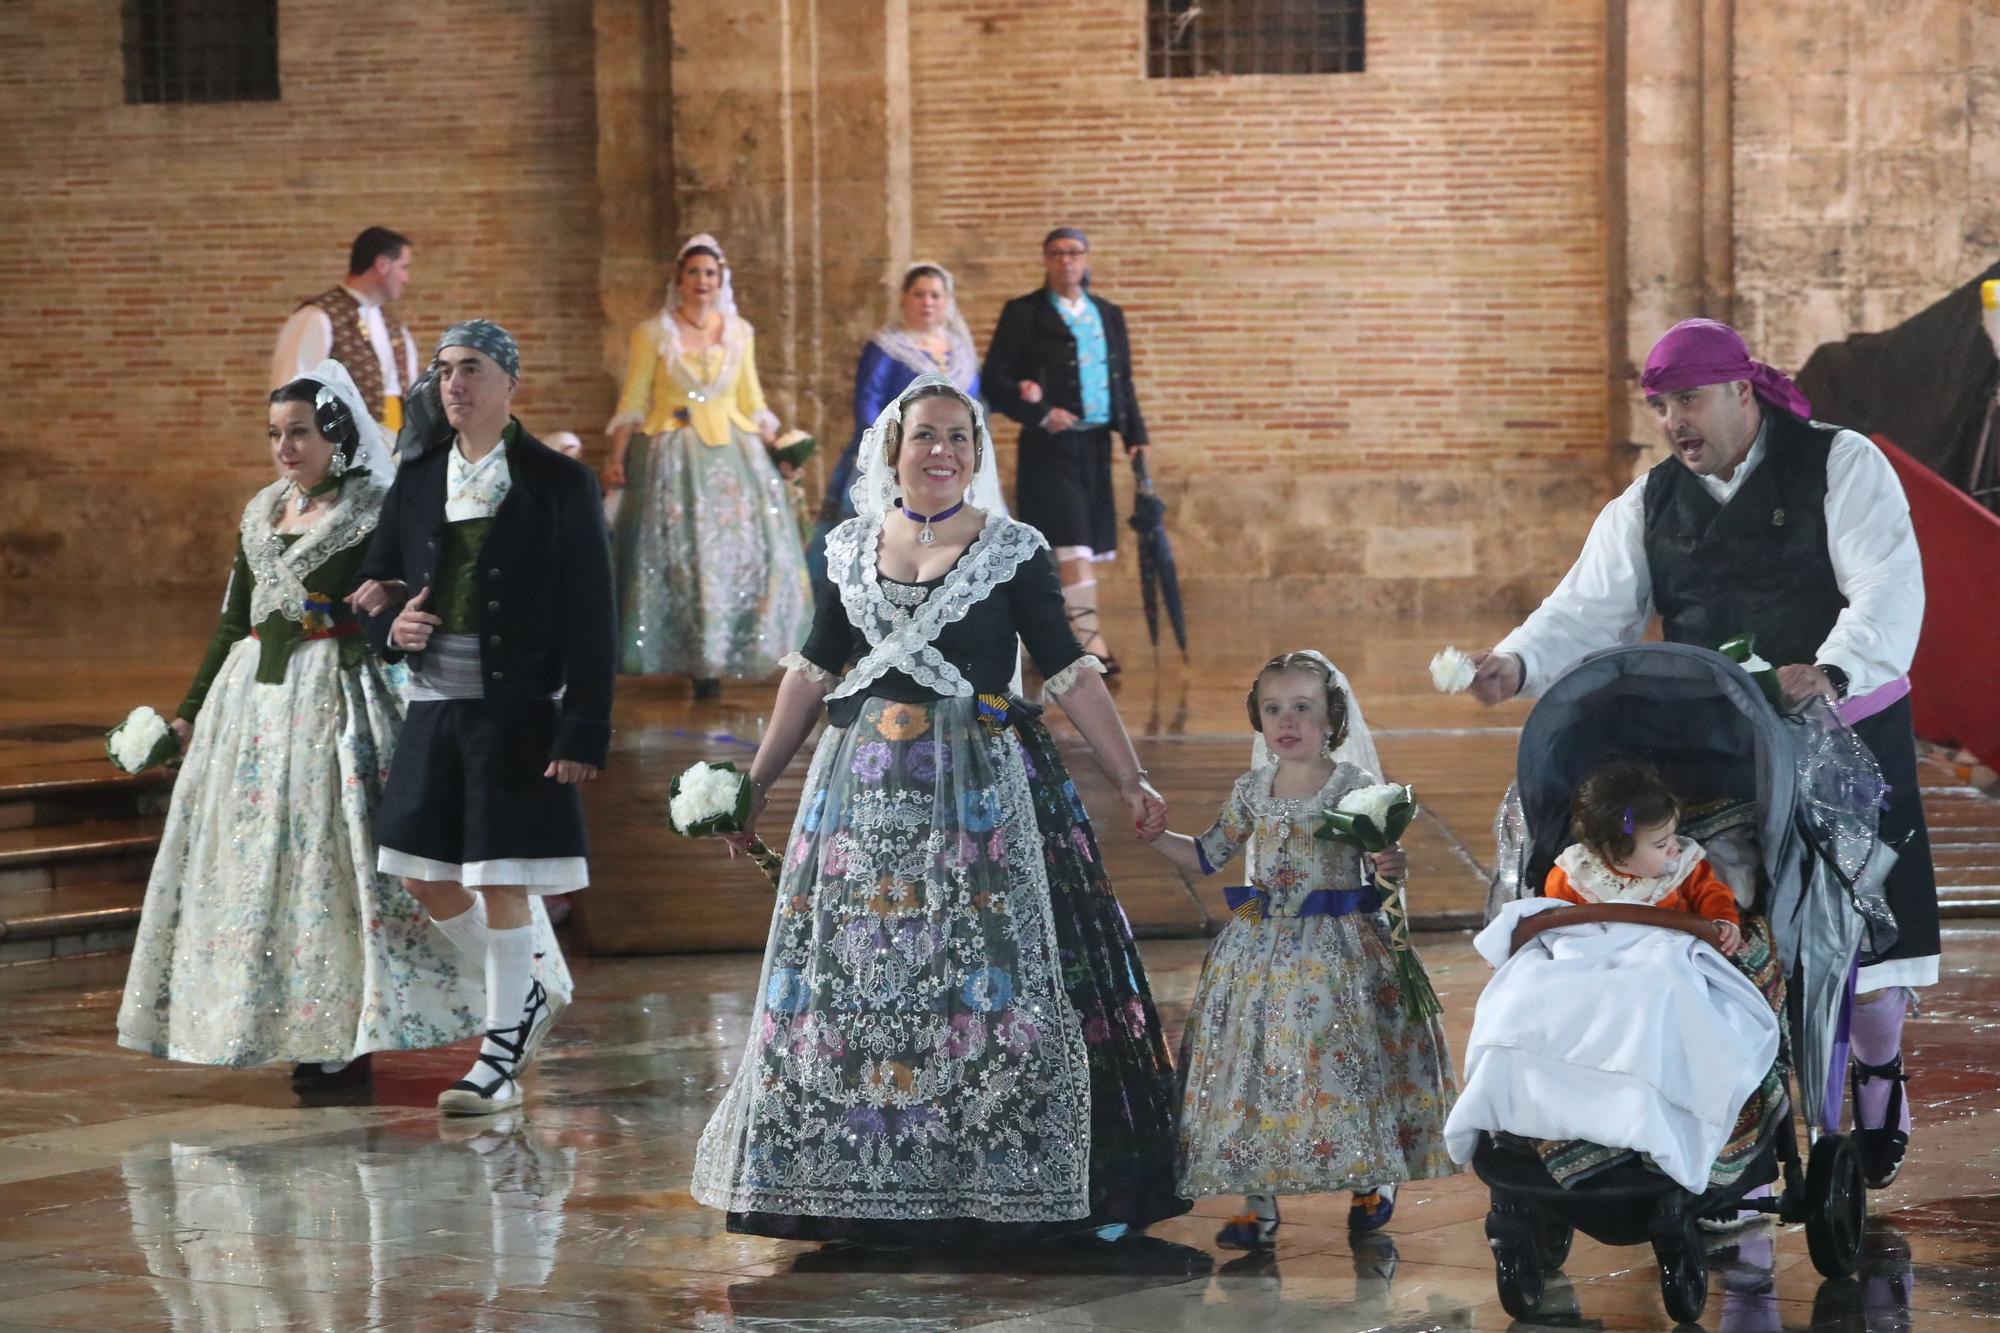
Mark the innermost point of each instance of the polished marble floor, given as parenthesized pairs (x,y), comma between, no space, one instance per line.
(136,1194)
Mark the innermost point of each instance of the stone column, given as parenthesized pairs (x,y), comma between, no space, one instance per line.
(791,144)
(635,200)
(1672,183)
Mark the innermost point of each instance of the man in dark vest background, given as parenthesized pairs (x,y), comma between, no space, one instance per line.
(347,322)
(1765,522)
(1060,364)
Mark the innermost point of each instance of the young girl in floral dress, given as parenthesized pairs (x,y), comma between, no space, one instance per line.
(1302,1071)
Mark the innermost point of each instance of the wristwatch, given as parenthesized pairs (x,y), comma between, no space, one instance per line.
(1837,677)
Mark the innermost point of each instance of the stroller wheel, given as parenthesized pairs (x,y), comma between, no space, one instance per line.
(1837,1197)
(1517,1272)
(1552,1240)
(1684,1281)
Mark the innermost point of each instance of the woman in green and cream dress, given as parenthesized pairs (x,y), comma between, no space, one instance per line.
(267,934)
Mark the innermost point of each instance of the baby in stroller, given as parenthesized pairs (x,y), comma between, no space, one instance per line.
(1629,852)
(1629,1081)
(1656,1043)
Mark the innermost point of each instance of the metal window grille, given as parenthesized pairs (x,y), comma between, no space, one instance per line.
(1191,39)
(200,50)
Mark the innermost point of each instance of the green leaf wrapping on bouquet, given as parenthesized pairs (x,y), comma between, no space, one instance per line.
(1742,651)
(1420,999)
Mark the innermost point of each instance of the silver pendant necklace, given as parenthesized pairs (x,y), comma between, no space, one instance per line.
(925,537)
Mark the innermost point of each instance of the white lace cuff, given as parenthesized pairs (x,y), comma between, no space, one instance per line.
(633,419)
(812,670)
(765,418)
(1065,680)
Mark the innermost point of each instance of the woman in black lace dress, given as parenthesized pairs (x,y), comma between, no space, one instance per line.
(953,1029)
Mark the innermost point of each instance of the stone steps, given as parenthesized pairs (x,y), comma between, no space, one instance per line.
(77,840)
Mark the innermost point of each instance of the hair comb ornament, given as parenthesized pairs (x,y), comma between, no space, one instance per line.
(1625,824)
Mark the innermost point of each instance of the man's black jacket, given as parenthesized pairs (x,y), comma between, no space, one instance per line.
(547,619)
(1031,342)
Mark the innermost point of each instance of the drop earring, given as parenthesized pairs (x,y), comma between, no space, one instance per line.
(1326,745)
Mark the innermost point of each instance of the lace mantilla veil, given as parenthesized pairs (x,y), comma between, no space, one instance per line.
(1359,747)
(725,301)
(371,454)
(875,491)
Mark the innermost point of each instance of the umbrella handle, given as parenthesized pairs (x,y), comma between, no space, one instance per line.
(1141,474)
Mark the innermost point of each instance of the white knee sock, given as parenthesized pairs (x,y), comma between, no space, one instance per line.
(510,960)
(468,930)
(510,970)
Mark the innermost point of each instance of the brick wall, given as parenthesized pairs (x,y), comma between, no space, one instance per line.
(1369,310)
(149,254)
(1867,164)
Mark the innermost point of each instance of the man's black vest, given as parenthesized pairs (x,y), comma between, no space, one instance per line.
(1757,565)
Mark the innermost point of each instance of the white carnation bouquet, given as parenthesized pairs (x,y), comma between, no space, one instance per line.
(141,741)
(1372,819)
(711,800)
(1452,672)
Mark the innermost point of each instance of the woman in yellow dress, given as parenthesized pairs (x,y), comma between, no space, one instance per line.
(711,572)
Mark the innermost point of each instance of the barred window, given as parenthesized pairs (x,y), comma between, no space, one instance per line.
(1188,39)
(200,50)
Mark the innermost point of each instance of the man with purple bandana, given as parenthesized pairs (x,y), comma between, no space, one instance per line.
(1765,522)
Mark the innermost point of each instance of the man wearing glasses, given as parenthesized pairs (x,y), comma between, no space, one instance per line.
(1061,365)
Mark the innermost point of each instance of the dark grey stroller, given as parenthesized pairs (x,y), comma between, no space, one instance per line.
(1706,725)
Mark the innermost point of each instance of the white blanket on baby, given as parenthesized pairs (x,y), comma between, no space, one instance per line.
(1629,1036)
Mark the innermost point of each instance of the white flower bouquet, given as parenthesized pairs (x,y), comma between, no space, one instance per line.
(1372,819)
(1452,672)
(711,800)
(1743,652)
(141,741)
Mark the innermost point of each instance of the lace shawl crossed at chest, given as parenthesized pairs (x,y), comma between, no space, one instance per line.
(904,640)
(736,335)
(278,572)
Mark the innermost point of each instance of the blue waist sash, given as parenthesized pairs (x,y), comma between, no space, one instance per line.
(1254,904)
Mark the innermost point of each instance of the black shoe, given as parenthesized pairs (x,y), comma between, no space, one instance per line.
(1882,1149)
(351,1084)
(358,1070)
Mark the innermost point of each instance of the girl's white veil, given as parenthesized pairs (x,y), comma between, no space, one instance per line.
(1359,747)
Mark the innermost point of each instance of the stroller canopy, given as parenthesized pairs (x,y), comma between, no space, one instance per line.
(1694,714)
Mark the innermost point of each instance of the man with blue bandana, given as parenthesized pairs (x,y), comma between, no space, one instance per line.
(490,571)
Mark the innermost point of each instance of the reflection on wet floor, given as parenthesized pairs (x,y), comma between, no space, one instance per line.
(136,1194)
